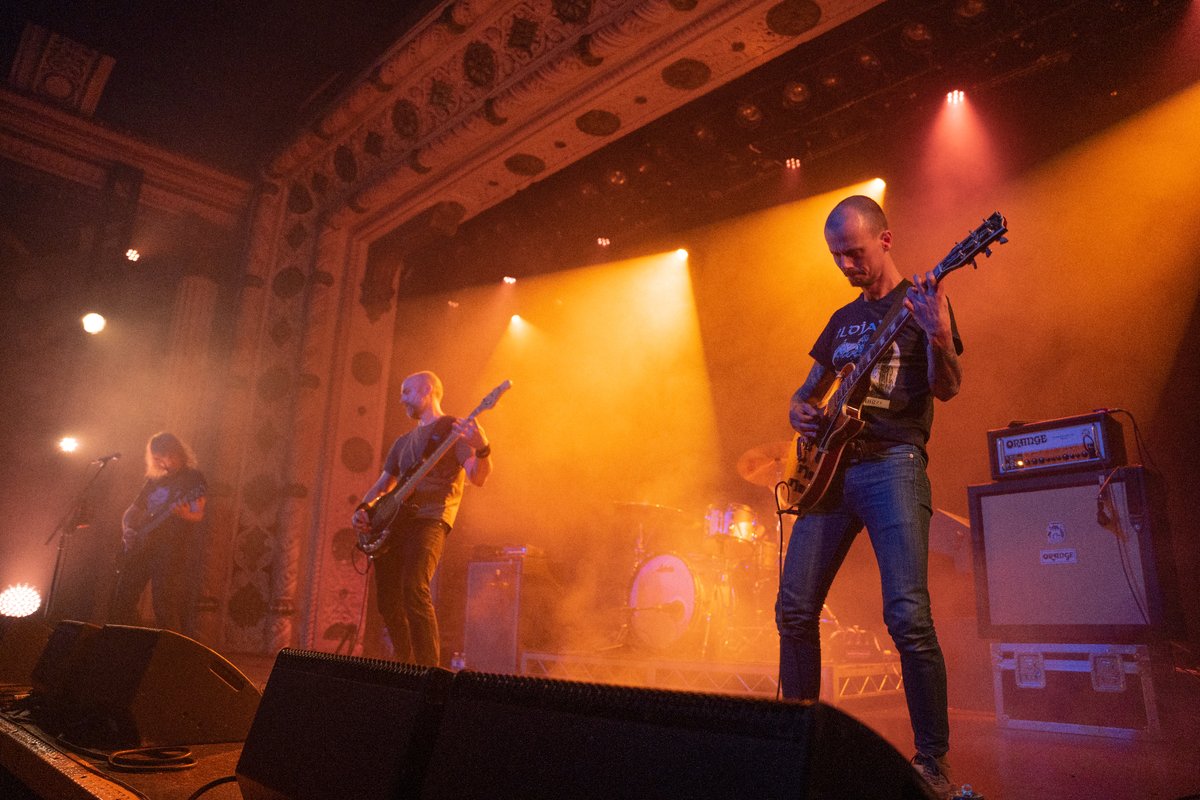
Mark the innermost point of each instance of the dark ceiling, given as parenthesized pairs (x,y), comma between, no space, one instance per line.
(225,83)
(850,105)
(229,83)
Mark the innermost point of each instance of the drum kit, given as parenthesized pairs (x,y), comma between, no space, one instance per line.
(707,593)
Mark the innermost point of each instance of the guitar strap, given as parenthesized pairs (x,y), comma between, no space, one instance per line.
(436,436)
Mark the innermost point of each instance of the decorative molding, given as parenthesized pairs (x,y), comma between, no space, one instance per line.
(60,69)
(442,132)
(79,150)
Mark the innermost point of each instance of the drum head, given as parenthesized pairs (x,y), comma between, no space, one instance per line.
(662,599)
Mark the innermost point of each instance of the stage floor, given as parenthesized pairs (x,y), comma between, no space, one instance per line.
(1001,764)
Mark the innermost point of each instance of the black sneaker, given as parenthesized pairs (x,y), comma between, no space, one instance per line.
(936,773)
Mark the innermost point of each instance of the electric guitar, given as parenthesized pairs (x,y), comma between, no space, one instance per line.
(812,462)
(162,515)
(385,509)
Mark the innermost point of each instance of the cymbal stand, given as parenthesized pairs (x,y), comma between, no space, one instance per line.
(76,517)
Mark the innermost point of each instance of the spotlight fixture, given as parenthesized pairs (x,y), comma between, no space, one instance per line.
(916,36)
(510,280)
(603,241)
(68,444)
(93,323)
(703,134)
(831,81)
(132,255)
(452,303)
(791,162)
(617,178)
(19,600)
(955,97)
(868,61)
(681,254)
(795,94)
(969,11)
(748,115)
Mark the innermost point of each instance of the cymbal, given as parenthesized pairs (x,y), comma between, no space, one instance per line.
(647,509)
(763,465)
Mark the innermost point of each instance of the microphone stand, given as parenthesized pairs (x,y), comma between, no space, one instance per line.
(74,519)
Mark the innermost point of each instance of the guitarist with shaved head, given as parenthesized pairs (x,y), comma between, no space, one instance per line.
(415,537)
(880,480)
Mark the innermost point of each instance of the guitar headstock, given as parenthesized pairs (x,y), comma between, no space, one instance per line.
(991,231)
(492,398)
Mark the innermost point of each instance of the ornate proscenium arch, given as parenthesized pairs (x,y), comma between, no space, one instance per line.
(475,103)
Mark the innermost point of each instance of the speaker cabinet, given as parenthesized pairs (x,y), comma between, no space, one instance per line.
(68,650)
(22,641)
(1083,558)
(337,726)
(510,608)
(513,736)
(121,686)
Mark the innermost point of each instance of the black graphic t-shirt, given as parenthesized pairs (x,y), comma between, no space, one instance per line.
(898,406)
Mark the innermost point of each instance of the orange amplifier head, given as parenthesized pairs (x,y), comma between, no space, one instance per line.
(1088,441)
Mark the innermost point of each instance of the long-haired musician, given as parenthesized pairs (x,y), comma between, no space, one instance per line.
(156,533)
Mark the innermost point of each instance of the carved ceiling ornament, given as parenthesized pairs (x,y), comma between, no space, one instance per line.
(486,97)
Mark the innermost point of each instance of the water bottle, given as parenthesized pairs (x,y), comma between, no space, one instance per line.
(458,661)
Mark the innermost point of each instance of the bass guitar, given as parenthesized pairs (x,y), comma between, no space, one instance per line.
(134,540)
(812,462)
(385,509)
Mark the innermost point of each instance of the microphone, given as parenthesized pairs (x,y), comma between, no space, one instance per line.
(107,458)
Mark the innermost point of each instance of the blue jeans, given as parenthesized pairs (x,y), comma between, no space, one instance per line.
(889,493)
(403,573)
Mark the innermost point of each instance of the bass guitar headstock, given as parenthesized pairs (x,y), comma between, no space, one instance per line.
(492,398)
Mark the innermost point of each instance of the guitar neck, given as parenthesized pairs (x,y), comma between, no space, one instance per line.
(882,341)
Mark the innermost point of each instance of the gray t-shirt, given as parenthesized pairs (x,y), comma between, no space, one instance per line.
(439,493)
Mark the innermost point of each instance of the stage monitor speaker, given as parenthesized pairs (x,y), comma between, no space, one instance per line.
(139,687)
(337,726)
(22,641)
(533,738)
(68,648)
(1073,558)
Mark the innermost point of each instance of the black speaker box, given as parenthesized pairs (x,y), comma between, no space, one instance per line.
(510,608)
(337,726)
(121,686)
(511,736)
(22,641)
(1073,558)
(67,650)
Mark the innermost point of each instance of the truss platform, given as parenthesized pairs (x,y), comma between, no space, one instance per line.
(839,682)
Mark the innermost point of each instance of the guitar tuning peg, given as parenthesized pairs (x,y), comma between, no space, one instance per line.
(1003,240)
(987,251)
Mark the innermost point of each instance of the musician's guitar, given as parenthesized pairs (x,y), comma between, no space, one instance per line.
(385,509)
(812,462)
(162,515)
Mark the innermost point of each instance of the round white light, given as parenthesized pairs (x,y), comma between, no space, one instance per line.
(19,600)
(93,323)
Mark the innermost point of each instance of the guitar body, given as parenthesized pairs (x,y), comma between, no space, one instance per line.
(812,463)
(143,529)
(385,512)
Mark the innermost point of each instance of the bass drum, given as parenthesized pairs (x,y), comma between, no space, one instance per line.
(678,606)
